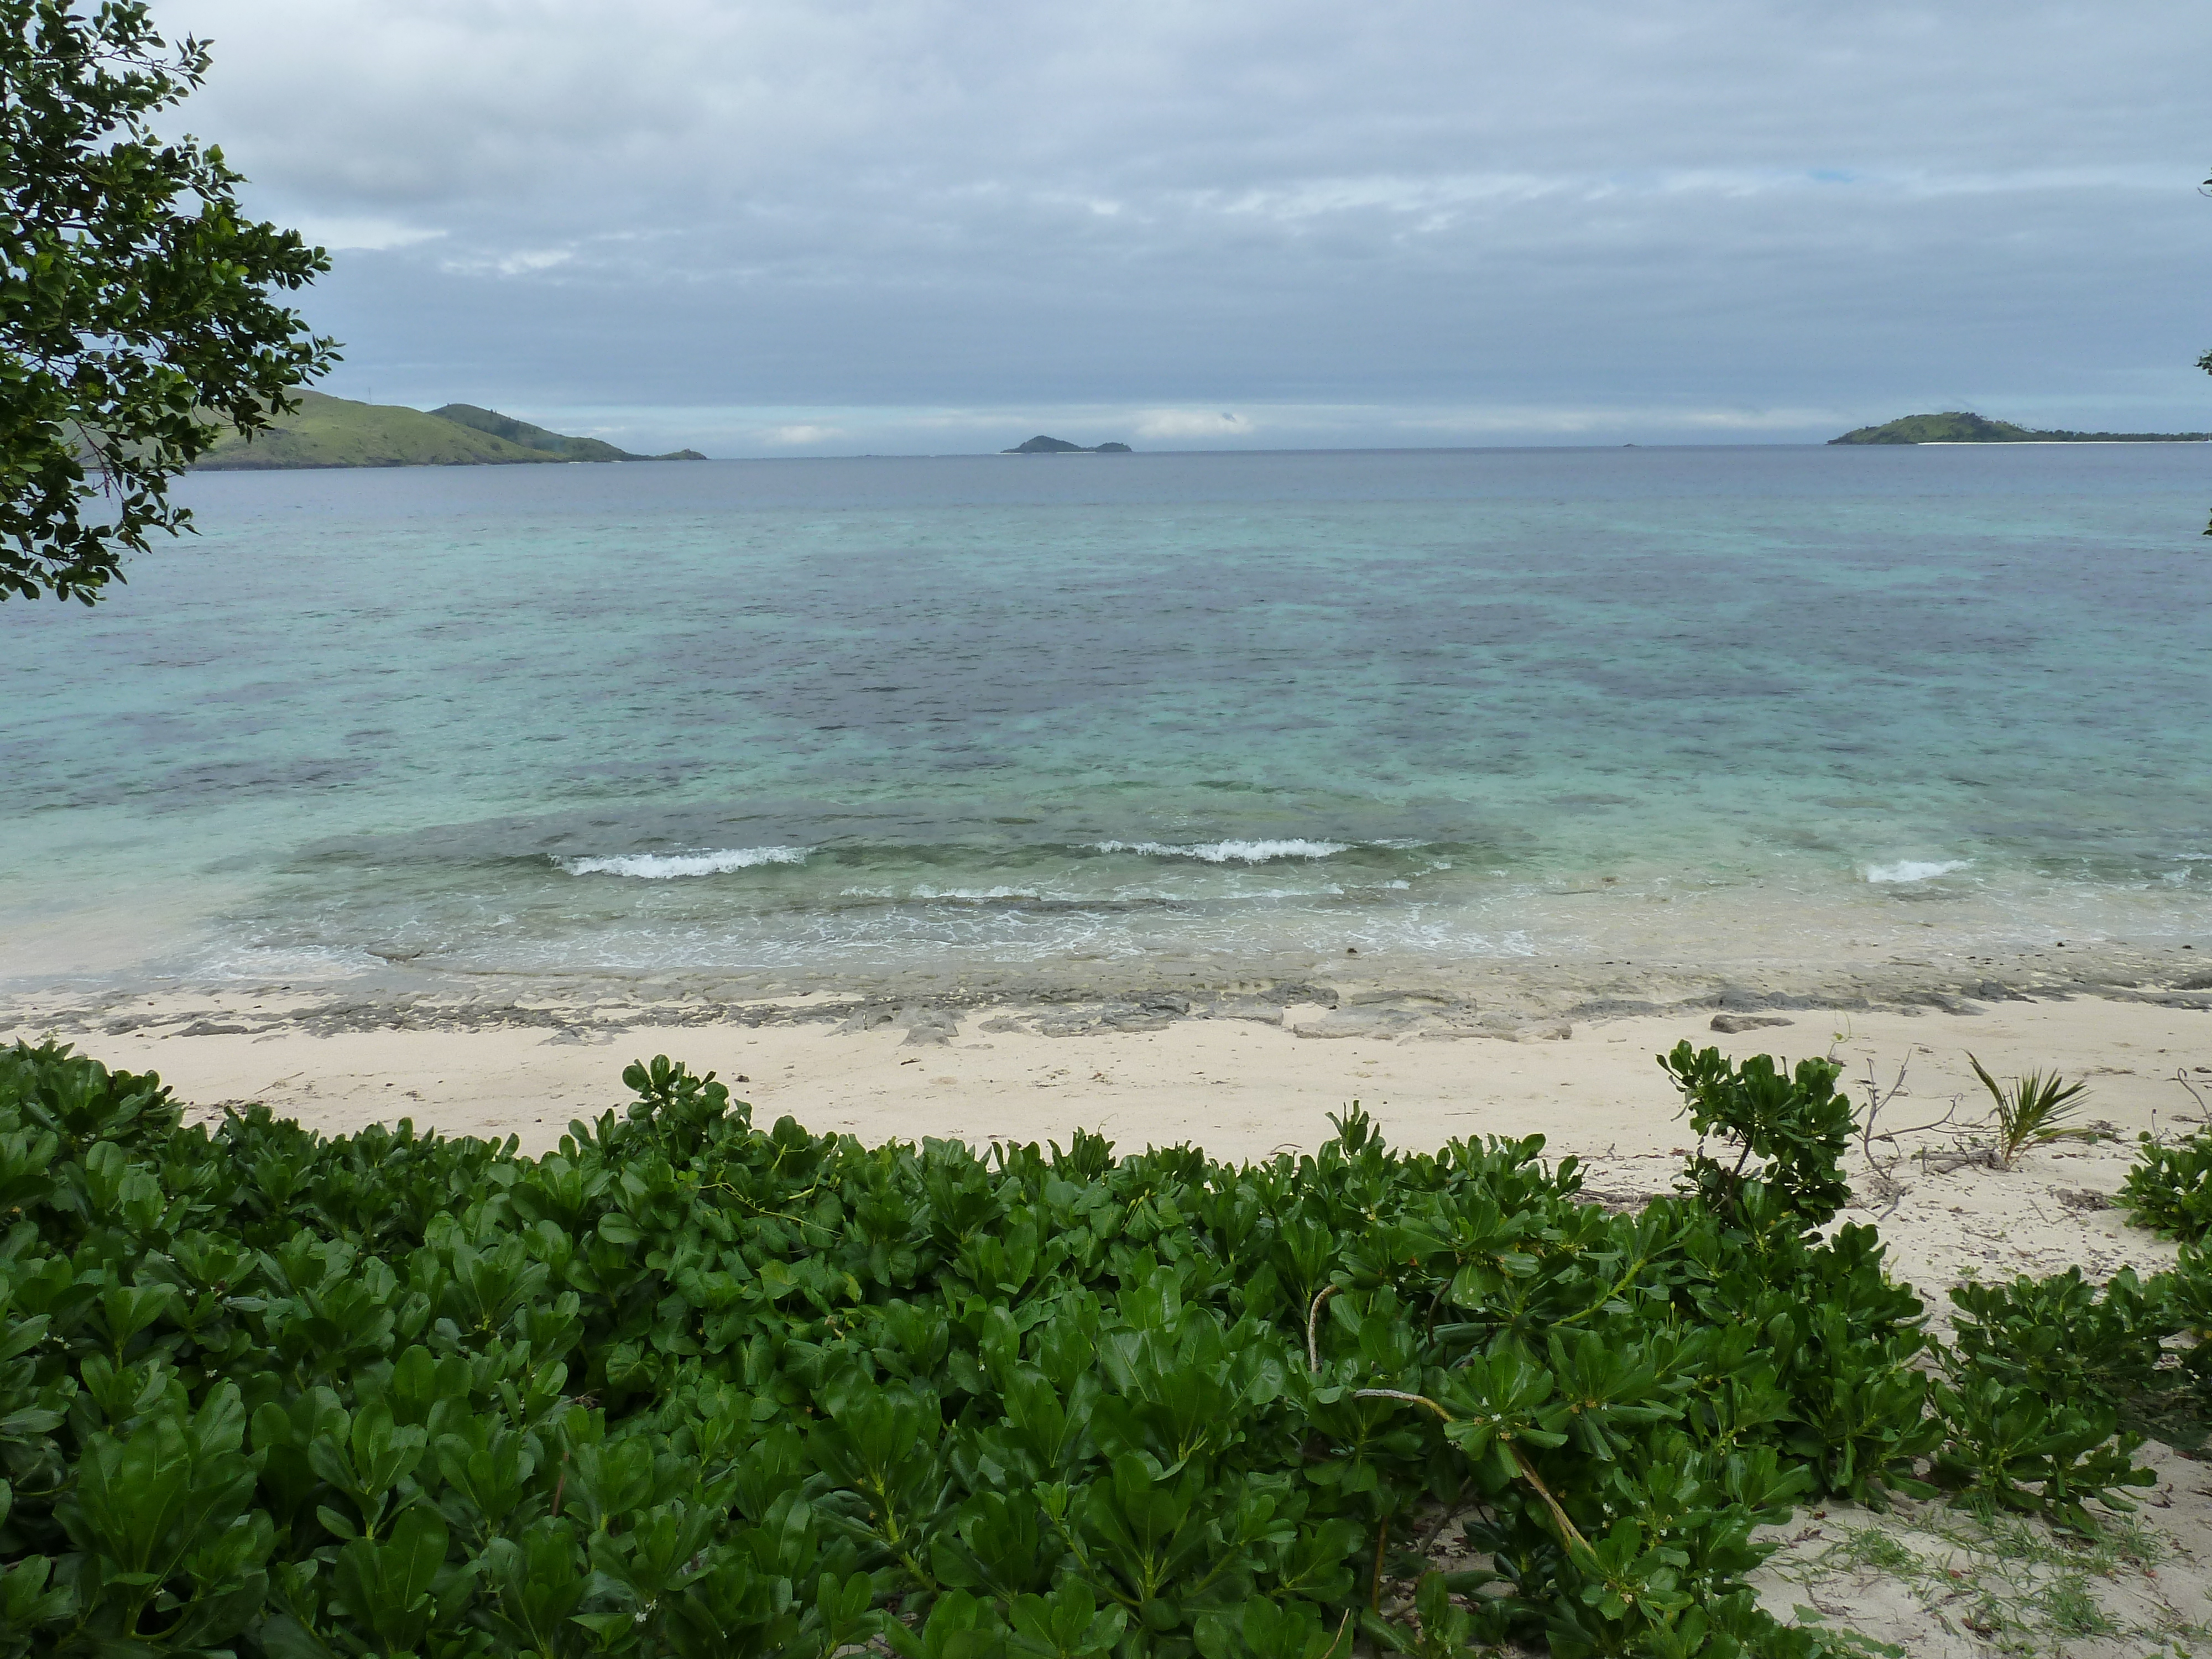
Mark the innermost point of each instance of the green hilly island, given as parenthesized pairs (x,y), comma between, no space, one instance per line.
(1040,445)
(1961,427)
(329,431)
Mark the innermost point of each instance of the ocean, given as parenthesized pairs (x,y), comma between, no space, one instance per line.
(817,721)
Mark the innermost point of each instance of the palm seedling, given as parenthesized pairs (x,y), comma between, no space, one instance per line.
(2032,1112)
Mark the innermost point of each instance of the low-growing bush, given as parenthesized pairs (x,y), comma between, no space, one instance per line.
(689,1387)
(2169,1187)
(1795,1123)
(2064,1337)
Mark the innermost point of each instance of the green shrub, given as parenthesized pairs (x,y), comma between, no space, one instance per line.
(2026,1451)
(2169,1187)
(2065,1338)
(1794,1122)
(686,1386)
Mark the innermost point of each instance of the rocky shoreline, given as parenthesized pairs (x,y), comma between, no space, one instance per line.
(1516,1001)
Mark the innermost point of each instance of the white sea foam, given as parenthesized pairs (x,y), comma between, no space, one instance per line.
(664,866)
(1228,852)
(1914,869)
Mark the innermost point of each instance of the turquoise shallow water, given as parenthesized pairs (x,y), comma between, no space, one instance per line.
(846,715)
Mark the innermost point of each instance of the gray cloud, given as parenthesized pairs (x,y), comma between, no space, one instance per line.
(914,224)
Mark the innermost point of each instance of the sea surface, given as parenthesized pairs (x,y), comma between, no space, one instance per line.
(844,717)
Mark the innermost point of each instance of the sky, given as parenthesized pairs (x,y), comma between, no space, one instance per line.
(838,227)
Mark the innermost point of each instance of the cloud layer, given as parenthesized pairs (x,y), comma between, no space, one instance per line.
(916,224)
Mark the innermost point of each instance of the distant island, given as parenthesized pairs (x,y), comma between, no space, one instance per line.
(331,431)
(1959,426)
(1042,444)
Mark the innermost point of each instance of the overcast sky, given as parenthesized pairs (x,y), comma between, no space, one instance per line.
(835,226)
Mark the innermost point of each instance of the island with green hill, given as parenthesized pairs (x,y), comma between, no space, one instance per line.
(1961,427)
(327,431)
(1042,444)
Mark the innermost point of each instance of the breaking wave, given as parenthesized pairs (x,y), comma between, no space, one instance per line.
(1914,869)
(1228,852)
(664,866)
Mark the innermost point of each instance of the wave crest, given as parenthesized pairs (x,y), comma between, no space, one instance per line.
(1228,852)
(666,866)
(1914,869)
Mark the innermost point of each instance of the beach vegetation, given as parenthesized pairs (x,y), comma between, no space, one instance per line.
(687,1385)
(140,304)
(2015,1584)
(1795,1123)
(2168,1189)
(2033,1111)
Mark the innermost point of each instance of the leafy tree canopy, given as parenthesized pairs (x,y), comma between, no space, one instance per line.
(138,308)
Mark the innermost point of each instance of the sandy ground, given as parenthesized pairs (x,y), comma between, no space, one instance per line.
(1246,1083)
(1241,1086)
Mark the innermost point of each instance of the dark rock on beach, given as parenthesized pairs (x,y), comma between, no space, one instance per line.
(930,1027)
(1732,1024)
(924,1026)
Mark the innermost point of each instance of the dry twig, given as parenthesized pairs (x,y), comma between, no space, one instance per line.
(1313,1316)
(2182,1077)
(1569,1534)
